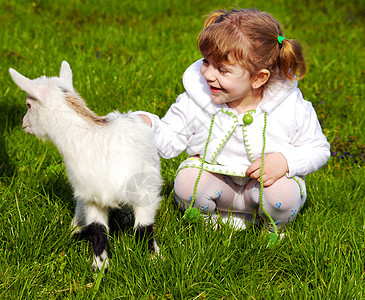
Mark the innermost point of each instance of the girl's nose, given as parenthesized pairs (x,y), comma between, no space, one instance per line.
(209,73)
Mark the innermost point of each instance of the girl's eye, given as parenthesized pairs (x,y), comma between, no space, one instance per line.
(205,61)
(222,71)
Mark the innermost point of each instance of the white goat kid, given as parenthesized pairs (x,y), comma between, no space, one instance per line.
(111,161)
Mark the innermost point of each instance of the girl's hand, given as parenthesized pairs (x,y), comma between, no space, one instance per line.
(146,120)
(275,167)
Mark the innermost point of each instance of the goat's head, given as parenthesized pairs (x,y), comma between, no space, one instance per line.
(45,96)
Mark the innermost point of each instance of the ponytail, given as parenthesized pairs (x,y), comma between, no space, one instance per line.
(291,60)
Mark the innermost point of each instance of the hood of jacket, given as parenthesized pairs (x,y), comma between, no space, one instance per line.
(198,89)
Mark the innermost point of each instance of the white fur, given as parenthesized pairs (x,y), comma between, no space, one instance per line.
(109,164)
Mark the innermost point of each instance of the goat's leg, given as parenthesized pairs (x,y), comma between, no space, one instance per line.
(78,220)
(143,224)
(96,219)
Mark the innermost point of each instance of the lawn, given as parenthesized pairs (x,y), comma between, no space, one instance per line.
(130,55)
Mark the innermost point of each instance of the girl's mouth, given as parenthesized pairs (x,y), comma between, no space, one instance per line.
(215,90)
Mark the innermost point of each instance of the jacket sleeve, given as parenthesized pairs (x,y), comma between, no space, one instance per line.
(309,149)
(172,132)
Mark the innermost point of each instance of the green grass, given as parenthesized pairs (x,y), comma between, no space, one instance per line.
(130,55)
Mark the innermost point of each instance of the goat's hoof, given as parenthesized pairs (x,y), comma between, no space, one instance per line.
(101,263)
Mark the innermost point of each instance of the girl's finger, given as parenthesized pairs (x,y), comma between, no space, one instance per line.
(254,167)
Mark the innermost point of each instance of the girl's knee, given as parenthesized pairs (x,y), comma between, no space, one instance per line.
(283,194)
(184,190)
(283,200)
(184,186)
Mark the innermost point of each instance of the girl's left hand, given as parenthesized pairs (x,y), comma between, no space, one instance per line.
(275,167)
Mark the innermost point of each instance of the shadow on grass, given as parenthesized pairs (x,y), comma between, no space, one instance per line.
(10,117)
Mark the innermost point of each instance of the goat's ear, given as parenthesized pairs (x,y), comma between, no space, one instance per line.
(27,85)
(66,72)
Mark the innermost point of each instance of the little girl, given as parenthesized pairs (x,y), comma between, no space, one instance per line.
(242,101)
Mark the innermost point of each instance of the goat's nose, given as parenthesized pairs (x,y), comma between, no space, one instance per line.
(26,125)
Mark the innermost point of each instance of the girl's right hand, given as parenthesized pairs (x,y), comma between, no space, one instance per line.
(146,120)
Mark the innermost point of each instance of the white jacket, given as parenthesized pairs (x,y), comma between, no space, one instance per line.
(292,128)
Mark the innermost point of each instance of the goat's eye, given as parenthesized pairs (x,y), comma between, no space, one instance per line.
(29,105)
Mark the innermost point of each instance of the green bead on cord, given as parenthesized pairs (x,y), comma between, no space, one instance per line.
(273,237)
(192,215)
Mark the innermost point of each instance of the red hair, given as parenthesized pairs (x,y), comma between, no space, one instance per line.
(250,38)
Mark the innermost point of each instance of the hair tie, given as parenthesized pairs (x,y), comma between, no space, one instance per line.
(280,39)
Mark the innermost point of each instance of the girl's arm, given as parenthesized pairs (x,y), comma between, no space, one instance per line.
(309,149)
(307,152)
(173,130)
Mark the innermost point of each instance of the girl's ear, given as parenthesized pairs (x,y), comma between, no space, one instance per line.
(260,79)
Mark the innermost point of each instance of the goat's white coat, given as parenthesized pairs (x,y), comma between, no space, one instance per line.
(108,165)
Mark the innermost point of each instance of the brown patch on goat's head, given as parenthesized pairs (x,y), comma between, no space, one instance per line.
(79,106)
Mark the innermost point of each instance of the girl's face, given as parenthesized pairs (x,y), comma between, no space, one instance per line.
(230,84)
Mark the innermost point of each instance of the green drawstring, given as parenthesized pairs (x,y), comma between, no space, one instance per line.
(273,236)
(192,215)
